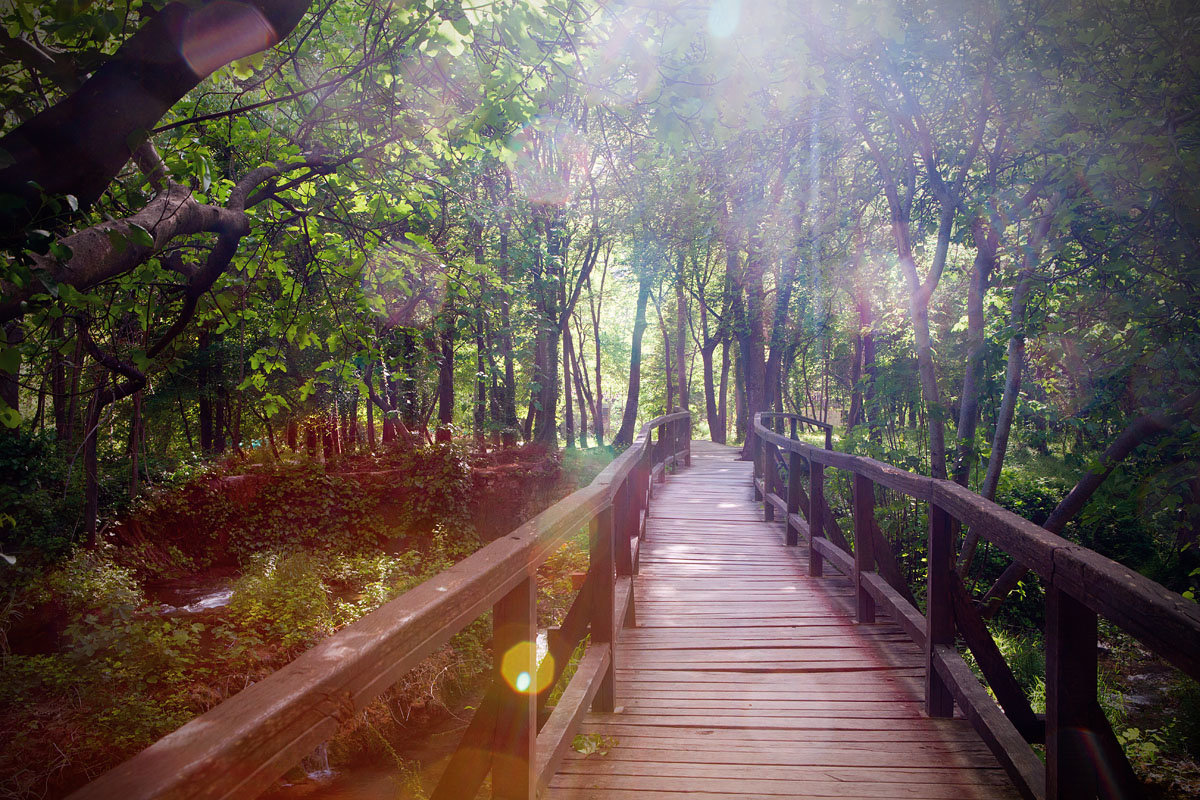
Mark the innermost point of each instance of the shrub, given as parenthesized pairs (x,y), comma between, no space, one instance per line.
(282,597)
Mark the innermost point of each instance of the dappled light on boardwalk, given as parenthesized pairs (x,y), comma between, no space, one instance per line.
(745,677)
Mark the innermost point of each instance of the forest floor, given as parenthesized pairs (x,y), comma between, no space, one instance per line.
(213,584)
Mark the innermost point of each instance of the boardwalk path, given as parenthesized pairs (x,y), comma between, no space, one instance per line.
(746,678)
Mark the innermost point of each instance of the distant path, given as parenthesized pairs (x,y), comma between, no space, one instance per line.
(747,678)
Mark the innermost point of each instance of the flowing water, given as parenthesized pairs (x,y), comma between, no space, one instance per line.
(431,752)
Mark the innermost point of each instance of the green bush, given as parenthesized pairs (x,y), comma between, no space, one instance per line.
(46,513)
(282,596)
(91,580)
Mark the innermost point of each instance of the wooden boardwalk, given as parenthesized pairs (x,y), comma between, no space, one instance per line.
(747,678)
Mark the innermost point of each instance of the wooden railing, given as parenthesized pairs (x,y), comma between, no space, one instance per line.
(1083,758)
(241,747)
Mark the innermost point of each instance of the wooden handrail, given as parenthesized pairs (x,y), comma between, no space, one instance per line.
(242,746)
(1080,585)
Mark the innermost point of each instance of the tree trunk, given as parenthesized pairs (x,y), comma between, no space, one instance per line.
(135,438)
(628,429)
(1135,433)
(598,413)
(91,470)
(710,389)
(370,426)
(568,406)
(722,429)
(968,412)
(680,332)
(509,404)
(204,398)
(578,369)
(446,381)
(739,400)
(748,327)
(218,424)
(58,382)
(481,378)
(127,96)
(669,377)
(1012,388)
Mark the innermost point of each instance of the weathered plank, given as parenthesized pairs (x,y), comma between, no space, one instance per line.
(746,677)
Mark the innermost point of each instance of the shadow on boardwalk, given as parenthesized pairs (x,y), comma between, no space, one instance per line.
(747,678)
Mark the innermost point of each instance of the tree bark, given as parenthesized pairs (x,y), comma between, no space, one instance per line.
(628,429)
(680,332)
(578,370)
(1135,433)
(446,380)
(78,145)
(986,242)
(568,406)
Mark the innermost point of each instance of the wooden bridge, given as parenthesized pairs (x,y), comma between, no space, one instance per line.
(727,655)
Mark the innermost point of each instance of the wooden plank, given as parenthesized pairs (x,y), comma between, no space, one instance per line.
(836,556)
(515,665)
(899,609)
(864,544)
(1006,742)
(472,759)
(554,740)
(1071,662)
(604,623)
(744,785)
(939,612)
(745,669)
(991,662)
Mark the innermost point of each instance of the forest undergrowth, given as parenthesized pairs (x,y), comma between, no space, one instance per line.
(1153,708)
(102,653)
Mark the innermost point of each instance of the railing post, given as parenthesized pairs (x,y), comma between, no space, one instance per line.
(864,544)
(939,619)
(816,516)
(795,463)
(793,422)
(675,442)
(645,485)
(1070,697)
(621,505)
(662,452)
(770,473)
(603,628)
(687,441)
(514,646)
(633,528)
(756,450)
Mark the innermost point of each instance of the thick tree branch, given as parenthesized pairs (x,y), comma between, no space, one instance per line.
(1135,433)
(80,144)
(109,249)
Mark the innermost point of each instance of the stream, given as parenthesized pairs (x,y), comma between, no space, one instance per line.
(431,749)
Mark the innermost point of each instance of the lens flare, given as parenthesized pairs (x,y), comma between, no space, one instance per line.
(723,17)
(221,32)
(551,161)
(406,284)
(516,667)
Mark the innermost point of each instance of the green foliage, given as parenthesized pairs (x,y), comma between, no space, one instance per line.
(284,598)
(1030,494)
(35,493)
(91,580)
(593,744)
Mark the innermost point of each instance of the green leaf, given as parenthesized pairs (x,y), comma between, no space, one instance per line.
(140,236)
